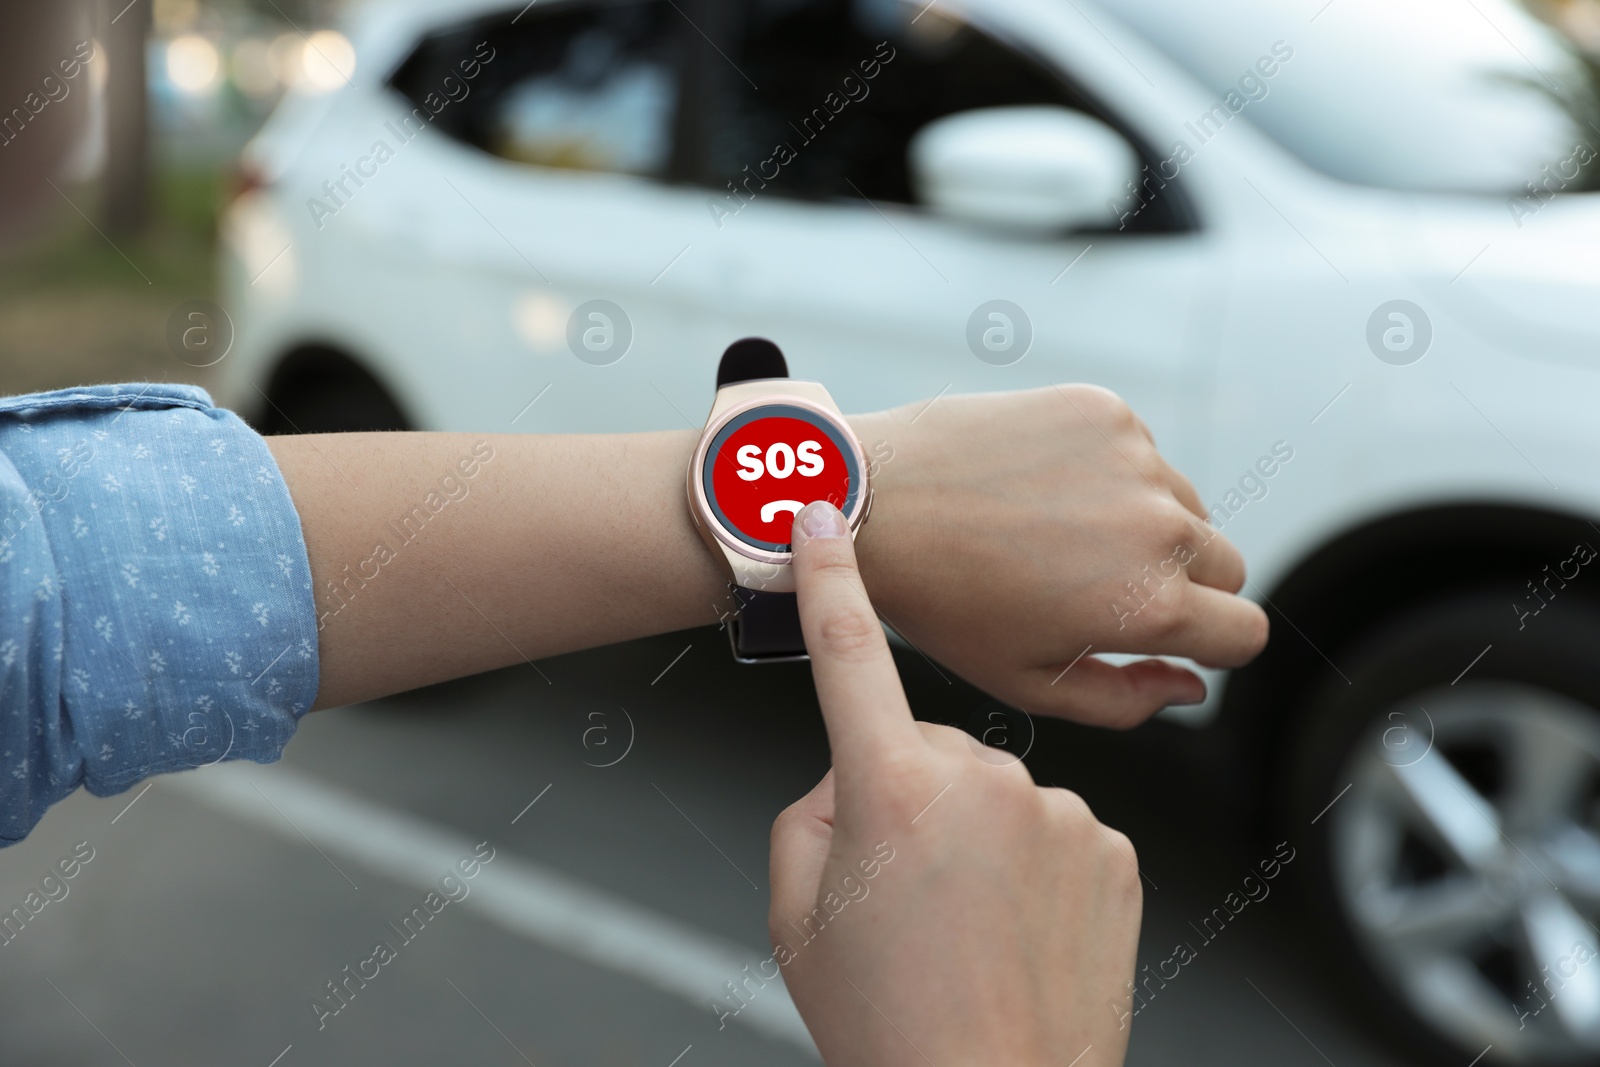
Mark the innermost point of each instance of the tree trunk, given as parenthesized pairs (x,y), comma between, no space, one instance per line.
(124,28)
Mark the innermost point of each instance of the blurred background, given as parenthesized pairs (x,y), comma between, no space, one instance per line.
(1339,254)
(194,83)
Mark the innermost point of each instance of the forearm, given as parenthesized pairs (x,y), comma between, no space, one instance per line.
(554,543)
(184,589)
(1007,531)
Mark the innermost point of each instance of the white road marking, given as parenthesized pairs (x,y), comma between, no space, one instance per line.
(521,897)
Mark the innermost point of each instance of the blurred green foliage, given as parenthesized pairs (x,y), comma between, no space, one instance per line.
(174,253)
(76,308)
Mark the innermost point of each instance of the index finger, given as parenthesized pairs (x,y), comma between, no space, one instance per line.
(858,686)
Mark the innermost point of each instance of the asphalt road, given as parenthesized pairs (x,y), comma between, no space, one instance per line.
(217,907)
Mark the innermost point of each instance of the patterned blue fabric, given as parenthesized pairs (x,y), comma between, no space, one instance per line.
(156,609)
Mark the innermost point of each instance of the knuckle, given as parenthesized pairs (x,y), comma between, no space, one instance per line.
(1019,795)
(784,825)
(833,561)
(1177,526)
(1013,771)
(1122,866)
(1163,615)
(1107,403)
(850,632)
(1120,842)
(830,563)
(1076,807)
(941,737)
(1233,581)
(1120,417)
(1146,472)
(1224,567)
(1004,768)
(1146,460)
(1105,409)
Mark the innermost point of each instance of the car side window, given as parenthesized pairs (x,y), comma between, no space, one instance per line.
(579,87)
(832,91)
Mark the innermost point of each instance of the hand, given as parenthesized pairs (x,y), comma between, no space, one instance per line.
(929,906)
(1011,532)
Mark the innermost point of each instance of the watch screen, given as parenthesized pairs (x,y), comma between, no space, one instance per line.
(768,463)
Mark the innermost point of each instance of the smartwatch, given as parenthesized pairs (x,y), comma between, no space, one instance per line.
(771,445)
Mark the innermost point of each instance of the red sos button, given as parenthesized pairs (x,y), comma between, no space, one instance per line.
(768,463)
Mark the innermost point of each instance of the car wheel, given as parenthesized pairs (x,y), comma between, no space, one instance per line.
(324,391)
(1451,793)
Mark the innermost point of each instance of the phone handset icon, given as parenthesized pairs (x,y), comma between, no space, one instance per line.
(770,509)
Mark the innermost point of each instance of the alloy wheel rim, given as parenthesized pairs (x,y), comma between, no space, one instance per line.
(1466,857)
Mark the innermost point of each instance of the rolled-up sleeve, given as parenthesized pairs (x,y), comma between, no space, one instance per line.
(156,608)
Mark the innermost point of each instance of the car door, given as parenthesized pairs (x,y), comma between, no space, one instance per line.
(830,255)
(541,260)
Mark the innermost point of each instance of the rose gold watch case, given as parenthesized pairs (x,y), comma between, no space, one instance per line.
(747,566)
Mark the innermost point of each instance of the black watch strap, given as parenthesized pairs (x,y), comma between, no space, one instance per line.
(767,627)
(750,358)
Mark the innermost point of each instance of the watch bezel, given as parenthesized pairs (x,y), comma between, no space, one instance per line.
(706,515)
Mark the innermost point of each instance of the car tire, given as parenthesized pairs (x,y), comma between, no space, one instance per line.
(1447,789)
(326,392)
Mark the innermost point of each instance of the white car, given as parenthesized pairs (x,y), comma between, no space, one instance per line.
(1339,255)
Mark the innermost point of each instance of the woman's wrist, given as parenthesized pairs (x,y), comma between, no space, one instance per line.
(703,579)
(882,543)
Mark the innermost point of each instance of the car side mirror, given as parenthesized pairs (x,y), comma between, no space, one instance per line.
(1039,170)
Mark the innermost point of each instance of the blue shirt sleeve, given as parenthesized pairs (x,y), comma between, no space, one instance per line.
(156,609)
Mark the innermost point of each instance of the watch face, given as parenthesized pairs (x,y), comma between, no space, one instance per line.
(767,463)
